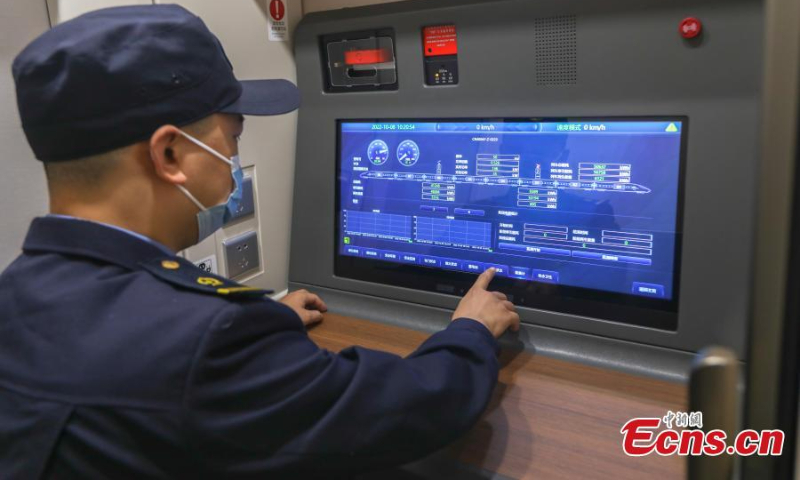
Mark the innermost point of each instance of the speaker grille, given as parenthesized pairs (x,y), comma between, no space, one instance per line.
(556,50)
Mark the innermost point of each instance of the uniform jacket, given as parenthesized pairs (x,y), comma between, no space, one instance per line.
(120,360)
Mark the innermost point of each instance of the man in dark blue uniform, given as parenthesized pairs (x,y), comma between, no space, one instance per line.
(119,359)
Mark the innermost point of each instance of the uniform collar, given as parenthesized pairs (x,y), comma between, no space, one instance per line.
(89,239)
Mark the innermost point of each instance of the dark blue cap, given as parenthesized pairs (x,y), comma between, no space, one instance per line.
(111,77)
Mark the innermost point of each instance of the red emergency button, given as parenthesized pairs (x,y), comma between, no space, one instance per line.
(690,27)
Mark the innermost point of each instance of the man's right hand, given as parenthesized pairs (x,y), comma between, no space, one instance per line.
(489,308)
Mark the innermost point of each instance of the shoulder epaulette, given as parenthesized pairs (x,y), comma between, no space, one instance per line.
(183,273)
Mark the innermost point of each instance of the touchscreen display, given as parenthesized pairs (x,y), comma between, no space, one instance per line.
(580,208)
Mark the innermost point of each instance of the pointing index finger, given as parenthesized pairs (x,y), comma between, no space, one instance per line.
(484,279)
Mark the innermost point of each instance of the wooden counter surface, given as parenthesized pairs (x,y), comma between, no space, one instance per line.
(548,419)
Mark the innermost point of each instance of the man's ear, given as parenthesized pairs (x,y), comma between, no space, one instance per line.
(165,156)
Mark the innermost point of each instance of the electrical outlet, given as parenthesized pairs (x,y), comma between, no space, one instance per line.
(241,253)
(247,206)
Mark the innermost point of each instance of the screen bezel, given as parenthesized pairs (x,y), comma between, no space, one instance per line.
(596,304)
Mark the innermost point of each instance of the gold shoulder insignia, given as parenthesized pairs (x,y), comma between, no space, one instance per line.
(183,273)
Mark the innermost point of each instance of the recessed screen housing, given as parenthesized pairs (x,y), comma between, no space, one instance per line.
(578,215)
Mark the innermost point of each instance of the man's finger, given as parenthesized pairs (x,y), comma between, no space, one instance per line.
(312,317)
(484,279)
(509,306)
(315,303)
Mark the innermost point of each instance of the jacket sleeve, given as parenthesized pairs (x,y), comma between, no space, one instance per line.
(262,398)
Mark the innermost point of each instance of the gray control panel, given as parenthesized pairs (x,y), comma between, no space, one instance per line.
(559,60)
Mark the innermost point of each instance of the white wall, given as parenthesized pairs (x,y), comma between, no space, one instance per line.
(23,192)
(63,10)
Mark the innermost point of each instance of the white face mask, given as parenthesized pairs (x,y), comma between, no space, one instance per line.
(209,220)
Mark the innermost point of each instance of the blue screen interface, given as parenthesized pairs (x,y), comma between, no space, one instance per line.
(589,204)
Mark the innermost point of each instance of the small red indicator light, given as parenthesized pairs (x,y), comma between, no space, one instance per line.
(690,27)
(366,57)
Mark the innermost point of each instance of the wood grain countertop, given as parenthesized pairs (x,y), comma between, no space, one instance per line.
(548,418)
